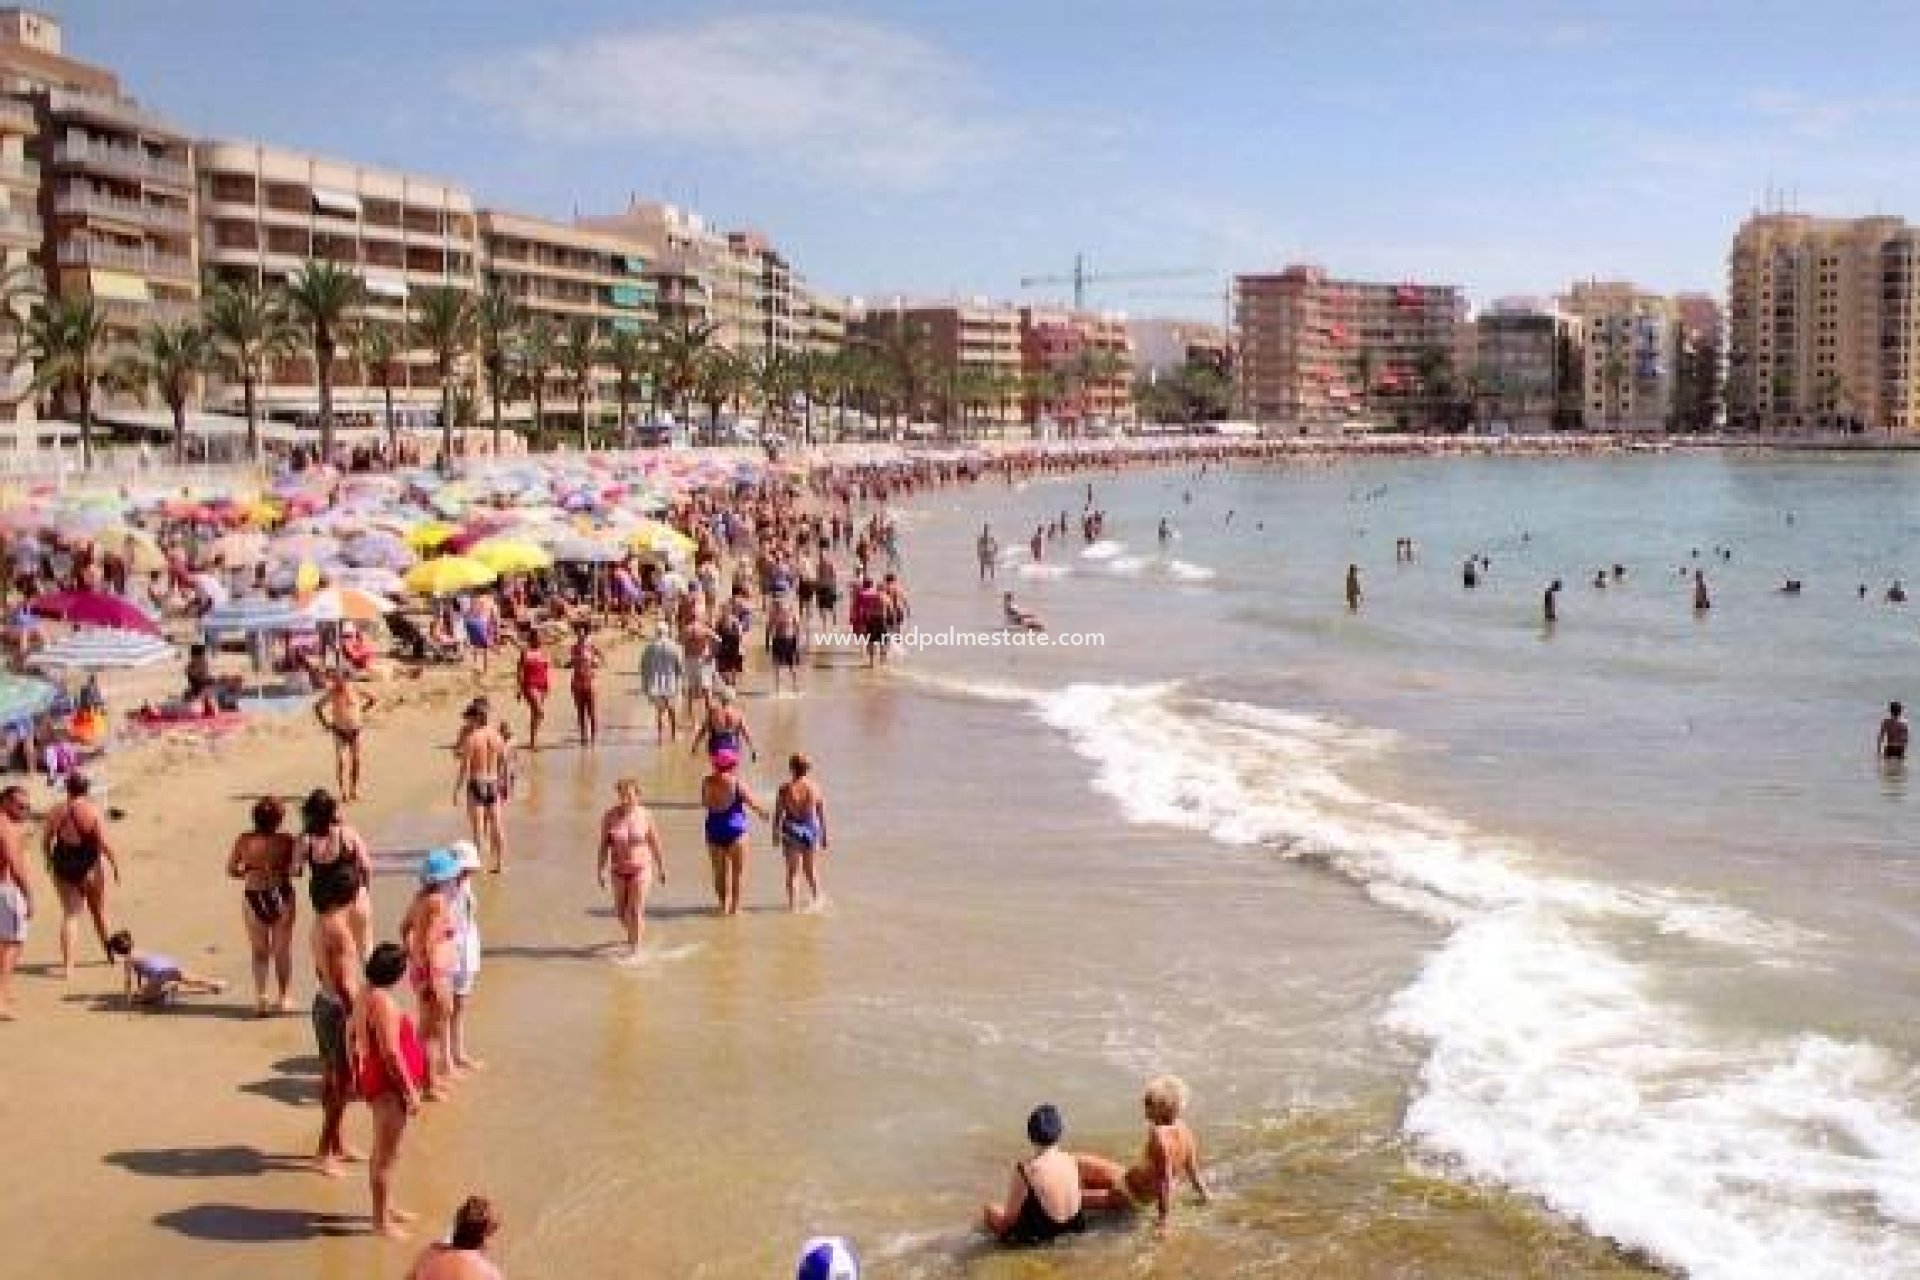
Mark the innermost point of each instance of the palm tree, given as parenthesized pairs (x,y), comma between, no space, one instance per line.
(20,288)
(534,356)
(904,364)
(579,353)
(774,375)
(171,359)
(67,339)
(721,376)
(249,326)
(322,297)
(443,324)
(678,355)
(626,352)
(497,317)
(376,347)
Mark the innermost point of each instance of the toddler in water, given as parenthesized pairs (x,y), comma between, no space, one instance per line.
(153,979)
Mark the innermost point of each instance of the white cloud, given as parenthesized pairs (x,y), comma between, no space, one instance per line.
(833,99)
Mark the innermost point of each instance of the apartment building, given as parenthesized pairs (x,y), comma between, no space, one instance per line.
(266,211)
(562,273)
(823,320)
(973,337)
(98,192)
(1078,366)
(1526,366)
(1700,363)
(1316,351)
(1629,353)
(1823,324)
(768,315)
(1165,346)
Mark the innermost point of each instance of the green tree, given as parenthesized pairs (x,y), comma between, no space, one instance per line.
(627,354)
(250,326)
(171,359)
(534,357)
(1433,369)
(497,318)
(443,323)
(722,376)
(579,353)
(376,346)
(67,339)
(904,365)
(323,298)
(678,354)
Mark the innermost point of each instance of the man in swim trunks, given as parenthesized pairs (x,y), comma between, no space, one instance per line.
(336,968)
(476,782)
(783,630)
(16,893)
(1892,742)
(988,549)
(341,711)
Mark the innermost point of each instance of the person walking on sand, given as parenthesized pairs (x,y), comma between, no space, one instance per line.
(463,1255)
(389,1068)
(585,659)
(1892,741)
(430,935)
(1353,588)
(1171,1154)
(800,824)
(75,843)
(632,853)
(336,968)
(532,681)
(341,711)
(335,860)
(16,891)
(727,801)
(464,919)
(663,669)
(262,860)
(698,642)
(476,783)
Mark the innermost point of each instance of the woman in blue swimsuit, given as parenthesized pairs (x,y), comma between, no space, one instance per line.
(800,822)
(727,801)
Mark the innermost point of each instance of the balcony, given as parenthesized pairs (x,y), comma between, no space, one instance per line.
(131,162)
(20,173)
(98,204)
(113,257)
(17,116)
(19,226)
(108,109)
(127,312)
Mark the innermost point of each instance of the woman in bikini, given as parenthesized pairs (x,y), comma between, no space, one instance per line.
(389,1069)
(727,801)
(75,843)
(262,859)
(585,659)
(630,850)
(800,824)
(1171,1154)
(337,863)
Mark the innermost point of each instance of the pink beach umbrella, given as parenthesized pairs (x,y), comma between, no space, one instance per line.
(93,609)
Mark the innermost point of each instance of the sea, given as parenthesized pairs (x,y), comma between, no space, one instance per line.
(1487,947)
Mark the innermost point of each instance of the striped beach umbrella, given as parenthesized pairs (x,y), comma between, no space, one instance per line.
(103,649)
(253,616)
(23,697)
(347,604)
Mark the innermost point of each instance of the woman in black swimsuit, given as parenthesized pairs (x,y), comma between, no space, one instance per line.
(263,859)
(338,861)
(75,845)
(1043,1199)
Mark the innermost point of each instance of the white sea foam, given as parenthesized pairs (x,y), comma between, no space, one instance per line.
(1045,572)
(1105,549)
(1554,1065)
(1181,571)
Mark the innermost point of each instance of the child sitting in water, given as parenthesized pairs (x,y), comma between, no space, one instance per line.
(152,979)
(1172,1154)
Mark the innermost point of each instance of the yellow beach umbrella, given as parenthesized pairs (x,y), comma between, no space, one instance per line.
(136,546)
(307,577)
(509,555)
(447,575)
(651,535)
(429,534)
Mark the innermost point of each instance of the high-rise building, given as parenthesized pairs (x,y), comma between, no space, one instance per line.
(267,211)
(1164,346)
(1630,346)
(683,256)
(562,274)
(1319,352)
(1526,366)
(822,322)
(1823,329)
(95,186)
(1699,368)
(965,343)
(769,319)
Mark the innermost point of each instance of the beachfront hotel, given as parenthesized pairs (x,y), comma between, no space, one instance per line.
(1526,365)
(1319,352)
(1630,344)
(1078,366)
(267,210)
(1823,328)
(975,337)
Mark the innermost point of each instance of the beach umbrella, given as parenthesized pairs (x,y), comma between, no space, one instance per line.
(23,697)
(651,535)
(378,550)
(384,582)
(347,604)
(430,534)
(240,548)
(506,555)
(255,615)
(447,575)
(136,546)
(103,649)
(93,609)
(578,550)
(305,546)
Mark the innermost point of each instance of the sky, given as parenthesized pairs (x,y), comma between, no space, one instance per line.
(956,146)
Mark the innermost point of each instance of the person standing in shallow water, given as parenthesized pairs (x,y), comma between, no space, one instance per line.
(727,802)
(1701,601)
(1353,588)
(800,824)
(1550,602)
(1891,744)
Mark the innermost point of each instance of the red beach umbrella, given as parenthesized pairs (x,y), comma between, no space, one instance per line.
(93,609)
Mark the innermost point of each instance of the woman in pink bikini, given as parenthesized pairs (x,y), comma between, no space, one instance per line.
(631,851)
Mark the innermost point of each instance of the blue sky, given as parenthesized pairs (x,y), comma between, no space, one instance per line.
(955,146)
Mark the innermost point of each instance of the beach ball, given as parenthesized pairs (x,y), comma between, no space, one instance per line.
(827,1258)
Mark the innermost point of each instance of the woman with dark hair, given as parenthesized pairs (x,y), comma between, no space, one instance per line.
(262,860)
(727,802)
(75,843)
(338,861)
(463,1256)
(1043,1199)
(390,1067)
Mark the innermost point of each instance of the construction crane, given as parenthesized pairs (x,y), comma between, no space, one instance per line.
(1080,278)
